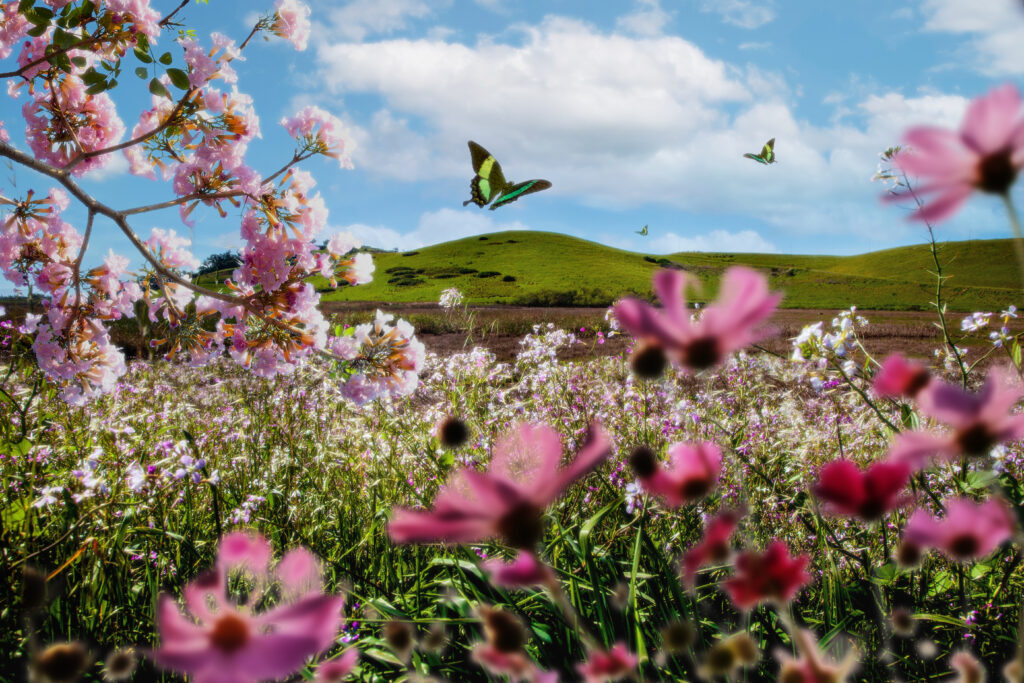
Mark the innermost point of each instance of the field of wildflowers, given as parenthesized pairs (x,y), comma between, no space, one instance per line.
(284,497)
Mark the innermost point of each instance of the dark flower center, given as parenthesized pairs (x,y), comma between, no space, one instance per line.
(63,661)
(696,487)
(230,633)
(702,353)
(649,361)
(398,634)
(975,440)
(643,461)
(996,172)
(871,508)
(964,545)
(916,382)
(721,659)
(504,631)
(522,526)
(908,554)
(678,635)
(453,432)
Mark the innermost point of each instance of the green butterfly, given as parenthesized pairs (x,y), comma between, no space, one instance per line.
(490,184)
(642,232)
(767,155)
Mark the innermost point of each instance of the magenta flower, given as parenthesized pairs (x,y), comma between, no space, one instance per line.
(869,495)
(610,665)
(216,641)
(526,570)
(510,498)
(980,421)
(772,575)
(714,547)
(897,377)
(968,531)
(335,670)
(986,154)
(725,326)
(694,472)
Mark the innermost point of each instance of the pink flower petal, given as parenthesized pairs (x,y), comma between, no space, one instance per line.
(991,119)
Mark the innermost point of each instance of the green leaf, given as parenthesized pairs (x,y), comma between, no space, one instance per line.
(93,76)
(80,62)
(166,58)
(1016,352)
(158,89)
(178,78)
(37,31)
(96,88)
(143,56)
(141,71)
(63,39)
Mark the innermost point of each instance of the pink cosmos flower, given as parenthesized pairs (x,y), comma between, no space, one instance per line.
(898,377)
(610,665)
(772,575)
(335,670)
(968,531)
(526,570)
(694,472)
(216,641)
(725,326)
(869,494)
(811,666)
(986,154)
(510,498)
(979,421)
(713,547)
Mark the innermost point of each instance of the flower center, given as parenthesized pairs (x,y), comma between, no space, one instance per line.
(230,633)
(649,361)
(522,526)
(504,632)
(702,353)
(695,487)
(643,461)
(996,172)
(916,382)
(871,508)
(975,440)
(964,545)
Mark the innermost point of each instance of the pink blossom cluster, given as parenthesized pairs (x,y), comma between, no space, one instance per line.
(291,22)
(13,27)
(320,132)
(386,359)
(206,65)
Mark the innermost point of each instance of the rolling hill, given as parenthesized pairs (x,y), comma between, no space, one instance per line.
(542,268)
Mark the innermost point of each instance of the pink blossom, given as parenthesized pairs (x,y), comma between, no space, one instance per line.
(216,640)
(694,472)
(968,531)
(611,665)
(898,377)
(321,133)
(335,670)
(171,249)
(870,494)
(772,575)
(13,27)
(291,22)
(979,420)
(811,666)
(986,154)
(713,547)
(341,243)
(510,498)
(526,570)
(144,18)
(725,326)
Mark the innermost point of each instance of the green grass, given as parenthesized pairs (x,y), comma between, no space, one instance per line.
(555,269)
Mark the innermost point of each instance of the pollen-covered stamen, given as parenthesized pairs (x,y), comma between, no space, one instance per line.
(996,172)
(230,633)
(523,525)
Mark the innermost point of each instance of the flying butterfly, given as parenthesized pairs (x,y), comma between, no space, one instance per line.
(642,232)
(489,184)
(767,155)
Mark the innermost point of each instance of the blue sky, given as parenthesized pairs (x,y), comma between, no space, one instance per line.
(638,112)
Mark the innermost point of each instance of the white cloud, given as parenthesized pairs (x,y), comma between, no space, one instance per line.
(360,18)
(744,241)
(648,19)
(434,227)
(743,13)
(756,45)
(116,166)
(995,29)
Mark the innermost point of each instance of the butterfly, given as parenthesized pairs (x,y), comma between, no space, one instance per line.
(767,155)
(489,184)
(642,232)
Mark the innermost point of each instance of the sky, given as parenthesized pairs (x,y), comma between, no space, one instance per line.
(638,112)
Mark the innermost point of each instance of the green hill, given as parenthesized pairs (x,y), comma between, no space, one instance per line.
(542,268)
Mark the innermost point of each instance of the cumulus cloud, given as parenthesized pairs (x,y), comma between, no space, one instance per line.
(764,45)
(995,31)
(360,18)
(434,227)
(743,13)
(743,241)
(648,19)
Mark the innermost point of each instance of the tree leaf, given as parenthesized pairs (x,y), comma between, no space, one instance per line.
(158,89)
(178,78)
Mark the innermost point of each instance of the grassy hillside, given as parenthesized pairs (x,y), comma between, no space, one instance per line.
(541,268)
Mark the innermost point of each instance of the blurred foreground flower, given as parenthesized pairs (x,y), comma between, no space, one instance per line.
(611,665)
(968,531)
(870,494)
(772,575)
(694,472)
(510,498)
(724,326)
(986,154)
(220,642)
(714,547)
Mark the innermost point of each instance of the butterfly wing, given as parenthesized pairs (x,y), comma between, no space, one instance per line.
(489,181)
(768,152)
(755,157)
(514,192)
(643,231)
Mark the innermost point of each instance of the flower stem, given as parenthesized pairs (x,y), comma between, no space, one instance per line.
(1018,236)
